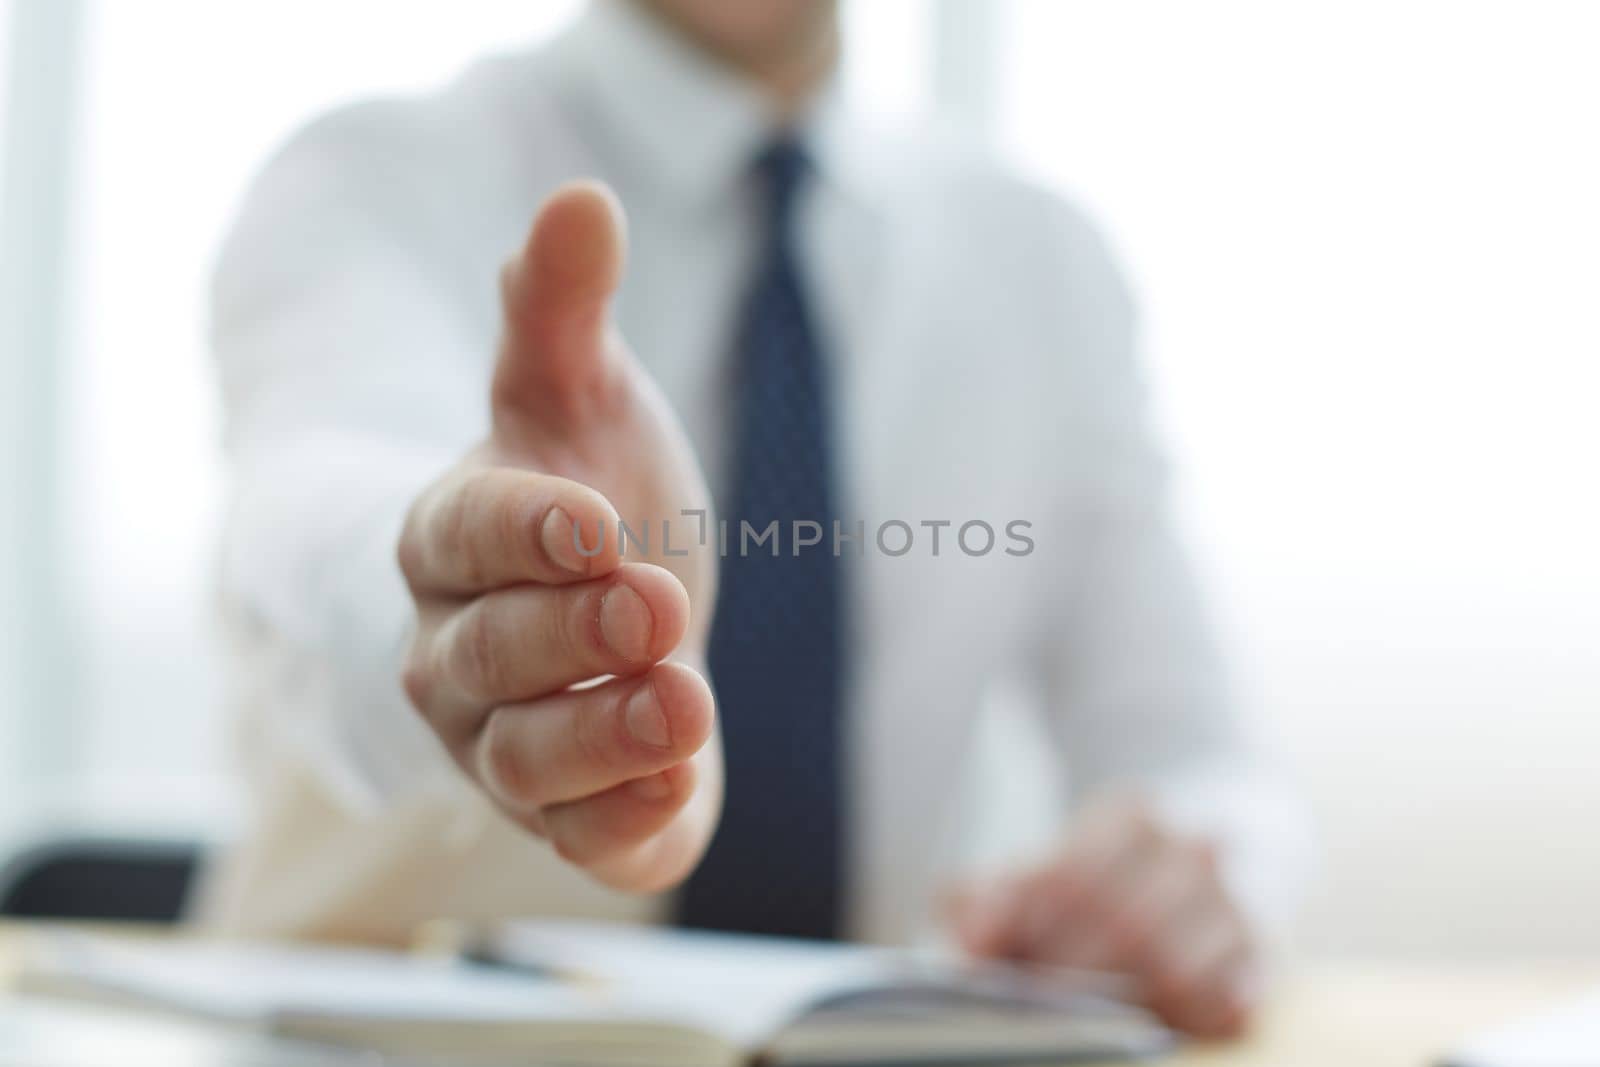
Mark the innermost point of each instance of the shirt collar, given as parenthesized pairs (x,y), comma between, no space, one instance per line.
(692,124)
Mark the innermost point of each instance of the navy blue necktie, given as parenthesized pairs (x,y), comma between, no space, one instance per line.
(775,864)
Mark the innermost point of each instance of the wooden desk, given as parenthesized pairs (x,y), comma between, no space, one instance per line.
(1338,1016)
(1390,1016)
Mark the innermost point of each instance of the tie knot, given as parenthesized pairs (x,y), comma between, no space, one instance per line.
(782,166)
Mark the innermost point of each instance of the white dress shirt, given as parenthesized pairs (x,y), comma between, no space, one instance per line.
(982,354)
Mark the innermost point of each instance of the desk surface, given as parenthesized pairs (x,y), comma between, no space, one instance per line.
(1339,1015)
(1391,1016)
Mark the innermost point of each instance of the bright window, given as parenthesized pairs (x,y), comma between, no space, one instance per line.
(1366,238)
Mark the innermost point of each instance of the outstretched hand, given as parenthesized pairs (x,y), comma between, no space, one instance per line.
(522,594)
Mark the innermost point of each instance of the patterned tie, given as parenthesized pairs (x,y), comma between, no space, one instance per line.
(775,864)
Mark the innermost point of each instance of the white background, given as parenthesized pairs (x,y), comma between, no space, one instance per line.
(1367,240)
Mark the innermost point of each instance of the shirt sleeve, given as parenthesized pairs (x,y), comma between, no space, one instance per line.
(1135,680)
(351,375)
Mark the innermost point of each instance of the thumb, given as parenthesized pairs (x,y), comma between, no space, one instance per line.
(553,349)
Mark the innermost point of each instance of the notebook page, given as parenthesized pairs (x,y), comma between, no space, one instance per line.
(740,987)
(43,1033)
(257,983)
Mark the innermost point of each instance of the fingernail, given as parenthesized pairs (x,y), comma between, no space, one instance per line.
(655,787)
(646,721)
(558,535)
(625,623)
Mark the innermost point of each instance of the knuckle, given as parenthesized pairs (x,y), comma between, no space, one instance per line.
(509,764)
(475,664)
(459,521)
(595,737)
(508,525)
(451,524)
(408,552)
(417,681)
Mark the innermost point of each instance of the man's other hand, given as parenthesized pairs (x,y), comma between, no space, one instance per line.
(1126,895)
(622,776)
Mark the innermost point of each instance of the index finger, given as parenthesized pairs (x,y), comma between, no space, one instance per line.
(498,526)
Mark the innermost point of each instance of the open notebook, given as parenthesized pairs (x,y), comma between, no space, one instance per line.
(616,997)
(36,1032)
